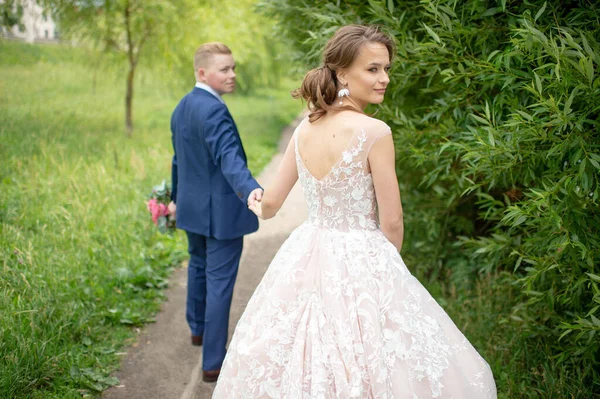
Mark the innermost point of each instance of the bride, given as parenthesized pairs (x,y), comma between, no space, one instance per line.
(338,314)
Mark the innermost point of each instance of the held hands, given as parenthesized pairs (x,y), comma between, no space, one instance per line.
(255,195)
(254,202)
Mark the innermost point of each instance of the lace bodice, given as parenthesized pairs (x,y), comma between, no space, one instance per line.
(345,198)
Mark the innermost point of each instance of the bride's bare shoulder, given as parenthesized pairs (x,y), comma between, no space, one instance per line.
(369,124)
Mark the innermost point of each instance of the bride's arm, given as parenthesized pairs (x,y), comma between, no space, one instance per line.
(383,169)
(286,177)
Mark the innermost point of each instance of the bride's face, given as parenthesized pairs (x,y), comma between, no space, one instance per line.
(367,76)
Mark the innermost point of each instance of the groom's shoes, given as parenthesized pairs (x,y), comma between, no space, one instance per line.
(210,375)
(197,340)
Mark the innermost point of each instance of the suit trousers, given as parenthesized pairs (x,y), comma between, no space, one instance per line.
(212,271)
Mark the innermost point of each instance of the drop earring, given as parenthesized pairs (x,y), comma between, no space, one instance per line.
(343,93)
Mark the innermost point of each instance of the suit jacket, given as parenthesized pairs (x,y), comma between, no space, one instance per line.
(211,180)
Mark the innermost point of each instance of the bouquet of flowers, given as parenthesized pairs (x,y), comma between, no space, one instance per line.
(158,207)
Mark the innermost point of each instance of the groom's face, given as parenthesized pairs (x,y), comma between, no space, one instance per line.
(219,73)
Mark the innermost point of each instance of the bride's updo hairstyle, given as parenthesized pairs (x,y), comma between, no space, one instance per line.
(320,85)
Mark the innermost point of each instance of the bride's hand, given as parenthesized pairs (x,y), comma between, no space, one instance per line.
(256,207)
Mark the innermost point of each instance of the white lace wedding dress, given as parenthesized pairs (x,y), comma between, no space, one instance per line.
(338,314)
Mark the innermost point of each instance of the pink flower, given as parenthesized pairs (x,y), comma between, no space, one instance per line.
(157,209)
(155,215)
(163,210)
(154,208)
(151,204)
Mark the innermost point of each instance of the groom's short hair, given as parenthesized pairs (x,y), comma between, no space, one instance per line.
(205,52)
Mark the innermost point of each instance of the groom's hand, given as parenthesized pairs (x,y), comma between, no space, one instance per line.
(172,209)
(255,196)
(256,208)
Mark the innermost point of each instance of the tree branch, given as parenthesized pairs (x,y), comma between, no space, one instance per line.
(130,44)
(147,34)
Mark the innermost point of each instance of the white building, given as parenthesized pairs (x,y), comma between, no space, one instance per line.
(38,25)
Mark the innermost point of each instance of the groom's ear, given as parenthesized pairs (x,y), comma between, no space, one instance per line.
(201,74)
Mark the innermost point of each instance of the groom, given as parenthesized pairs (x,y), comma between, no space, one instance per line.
(212,187)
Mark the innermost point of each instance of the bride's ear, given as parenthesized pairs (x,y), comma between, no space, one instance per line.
(341,77)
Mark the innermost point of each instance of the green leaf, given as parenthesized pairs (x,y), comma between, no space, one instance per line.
(443,147)
(533,293)
(390,5)
(594,277)
(588,49)
(525,115)
(491,138)
(480,119)
(593,310)
(582,167)
(567,109)
(492,54)
(589,68)
(564,334)
(519,220)
(540,12)
(162,224)
(432,33)
(492,11)
(538,83)
(518,263)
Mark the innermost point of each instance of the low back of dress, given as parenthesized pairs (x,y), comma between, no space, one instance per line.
(344,199)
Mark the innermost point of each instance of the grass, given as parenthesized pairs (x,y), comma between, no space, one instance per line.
(80,262)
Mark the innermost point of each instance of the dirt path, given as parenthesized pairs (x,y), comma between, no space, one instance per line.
(162,364)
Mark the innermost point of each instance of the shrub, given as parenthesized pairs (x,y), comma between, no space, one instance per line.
(494,106)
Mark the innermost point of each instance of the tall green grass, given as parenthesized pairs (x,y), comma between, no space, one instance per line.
(80,262)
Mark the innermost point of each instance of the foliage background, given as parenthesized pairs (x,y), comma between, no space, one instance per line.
(163,35)
(494,107)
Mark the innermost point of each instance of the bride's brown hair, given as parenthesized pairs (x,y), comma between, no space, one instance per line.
(320,85)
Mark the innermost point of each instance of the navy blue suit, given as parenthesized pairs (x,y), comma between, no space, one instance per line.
(211,185)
